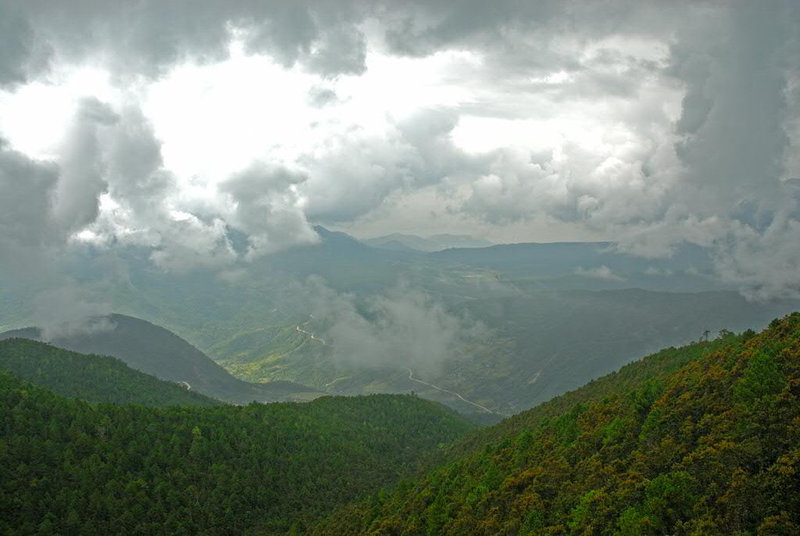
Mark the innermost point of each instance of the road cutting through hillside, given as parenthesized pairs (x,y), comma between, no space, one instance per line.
(313,338)
(442,389)
(412,378)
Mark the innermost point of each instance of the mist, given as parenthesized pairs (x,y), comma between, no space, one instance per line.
(401,328)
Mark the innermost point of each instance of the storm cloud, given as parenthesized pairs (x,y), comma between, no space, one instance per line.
(647,124)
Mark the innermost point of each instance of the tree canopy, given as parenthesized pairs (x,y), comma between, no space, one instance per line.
(709,448)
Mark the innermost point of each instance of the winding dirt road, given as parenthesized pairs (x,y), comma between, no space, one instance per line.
(448,391)
(313,338)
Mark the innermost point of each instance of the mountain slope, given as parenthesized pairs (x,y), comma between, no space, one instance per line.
(343,261)
(587,265)
(547,343)
(69,467)
(159,352)
(541,345)
(709,449)
(92,378)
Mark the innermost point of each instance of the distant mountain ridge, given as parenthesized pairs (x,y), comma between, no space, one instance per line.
(157,351)
(438,242)
(248,322)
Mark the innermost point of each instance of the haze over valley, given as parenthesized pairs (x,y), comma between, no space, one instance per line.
(424,267)
(499,328)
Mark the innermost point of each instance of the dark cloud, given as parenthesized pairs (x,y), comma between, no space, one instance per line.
(733,112)
(712,172)
(26,202)
(146,38)
(734,142)
(44,203)
(340,50)
(21,55)
(268,208)
(135,166)
(82,174)
(36,218)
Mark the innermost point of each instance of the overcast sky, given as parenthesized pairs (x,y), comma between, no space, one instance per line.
(166,124)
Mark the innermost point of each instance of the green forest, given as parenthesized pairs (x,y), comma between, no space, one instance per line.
(399,268)
(709,447)
(92,377)
(68,466)
(703,439)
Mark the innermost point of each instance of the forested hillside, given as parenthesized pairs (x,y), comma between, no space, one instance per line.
(92,377)
(712,448)
(159,352)
(71,467)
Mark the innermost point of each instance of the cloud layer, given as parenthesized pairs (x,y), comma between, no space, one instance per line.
(648,124)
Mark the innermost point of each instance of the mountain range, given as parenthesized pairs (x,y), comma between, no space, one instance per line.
(508,326)
(403,242)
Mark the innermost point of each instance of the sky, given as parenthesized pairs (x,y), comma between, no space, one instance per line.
(168,125)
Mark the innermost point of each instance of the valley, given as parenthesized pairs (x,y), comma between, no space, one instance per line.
(541,371)
(652,447)
(430,268)
(506,326)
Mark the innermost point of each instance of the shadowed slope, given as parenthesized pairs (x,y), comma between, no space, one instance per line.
(711,448)
(159,352)
(92,377)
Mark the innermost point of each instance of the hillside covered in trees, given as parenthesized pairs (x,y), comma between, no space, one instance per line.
(700,440)
(72,467)
(695,440)
(159,352)
(92,377)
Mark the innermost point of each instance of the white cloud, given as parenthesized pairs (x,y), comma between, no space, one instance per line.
(399,329)
(266,205)
(599,272)
(68,310)
(651,124)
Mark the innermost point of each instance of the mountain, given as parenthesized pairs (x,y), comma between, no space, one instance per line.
(549,342)
(446,241)
(685,442)
(92,377)
(159,352)
(533,320)
(70,467)
(393,245)
(533,345)
(406,242)
(343,261)
(587,266)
